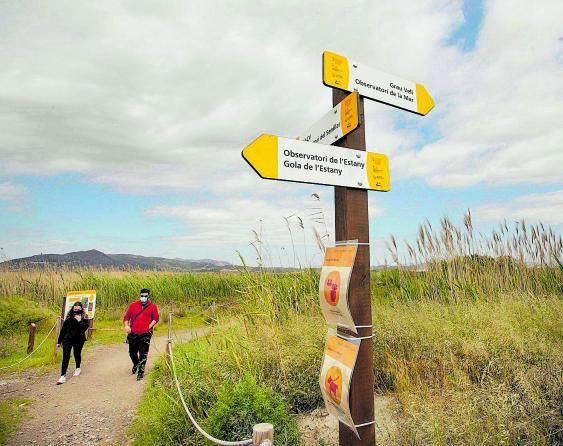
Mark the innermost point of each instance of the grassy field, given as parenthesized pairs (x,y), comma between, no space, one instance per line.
(12,410)
(36,296)
(468,340)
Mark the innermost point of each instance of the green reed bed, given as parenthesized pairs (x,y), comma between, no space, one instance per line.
(473,373)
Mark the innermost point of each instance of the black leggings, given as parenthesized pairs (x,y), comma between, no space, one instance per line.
(77,348)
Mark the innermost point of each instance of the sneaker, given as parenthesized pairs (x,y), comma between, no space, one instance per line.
(61,380)
(140,376)
(77,372)
(134,369)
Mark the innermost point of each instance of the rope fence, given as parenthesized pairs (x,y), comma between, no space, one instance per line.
(263,433)
(30,354)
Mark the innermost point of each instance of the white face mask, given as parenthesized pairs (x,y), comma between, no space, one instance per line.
(143,299)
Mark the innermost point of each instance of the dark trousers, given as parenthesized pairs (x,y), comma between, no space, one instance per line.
(139,349)
(76,347)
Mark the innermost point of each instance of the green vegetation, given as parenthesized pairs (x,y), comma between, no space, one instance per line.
(33,296)
(115,289)
(245,404)
(475,373)
(16,313)
(468,341)
(11,413)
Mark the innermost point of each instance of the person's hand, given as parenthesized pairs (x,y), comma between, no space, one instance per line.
(58,345)
(78,317)
(128,329)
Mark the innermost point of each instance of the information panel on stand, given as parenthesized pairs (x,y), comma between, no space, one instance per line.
(88,299)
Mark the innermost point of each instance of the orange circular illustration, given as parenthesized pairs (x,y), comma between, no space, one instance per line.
(333,384)
(332,288)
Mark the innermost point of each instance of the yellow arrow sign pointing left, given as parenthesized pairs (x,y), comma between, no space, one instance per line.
(286,159)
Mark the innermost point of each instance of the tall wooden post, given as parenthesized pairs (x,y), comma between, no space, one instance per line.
(352,222)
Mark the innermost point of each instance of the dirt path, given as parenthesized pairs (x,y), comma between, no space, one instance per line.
(95,408)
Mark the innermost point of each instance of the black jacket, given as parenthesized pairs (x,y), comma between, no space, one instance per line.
(73,331)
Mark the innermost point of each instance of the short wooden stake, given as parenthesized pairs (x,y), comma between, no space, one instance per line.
(31,338)
(167,349)
(263,434)
(57,333)
(90,328)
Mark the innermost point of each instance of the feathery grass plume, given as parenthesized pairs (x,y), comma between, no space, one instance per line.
(452,263)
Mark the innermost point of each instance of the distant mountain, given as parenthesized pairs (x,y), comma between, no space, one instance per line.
(98,259)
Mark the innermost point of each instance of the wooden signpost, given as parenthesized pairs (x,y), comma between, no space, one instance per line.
(352,223)
(346,165)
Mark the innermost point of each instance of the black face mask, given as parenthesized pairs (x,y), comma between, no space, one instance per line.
(77,311)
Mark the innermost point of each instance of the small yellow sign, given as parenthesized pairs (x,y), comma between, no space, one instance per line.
(335,70)
(349,113)
(378,171)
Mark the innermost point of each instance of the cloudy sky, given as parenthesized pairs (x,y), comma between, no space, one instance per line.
(122,123)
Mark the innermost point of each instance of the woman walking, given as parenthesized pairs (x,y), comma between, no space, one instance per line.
(72,337)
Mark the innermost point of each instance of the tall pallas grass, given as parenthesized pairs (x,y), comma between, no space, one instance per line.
(451,263)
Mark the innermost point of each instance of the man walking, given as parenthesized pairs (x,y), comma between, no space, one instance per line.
(139,320)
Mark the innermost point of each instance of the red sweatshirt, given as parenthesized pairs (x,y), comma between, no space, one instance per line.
(141,323)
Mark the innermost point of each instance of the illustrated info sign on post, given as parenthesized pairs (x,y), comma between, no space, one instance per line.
(336,124)
(277,158)
(333,285)
(340,72)
(336,376)
(88,299)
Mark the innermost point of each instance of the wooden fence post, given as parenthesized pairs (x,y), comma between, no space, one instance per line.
(31,338)
(263,435)
(57,333)
(90,328)
(167,349)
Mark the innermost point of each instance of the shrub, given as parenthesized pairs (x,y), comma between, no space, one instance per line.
(245,404)
(16,313)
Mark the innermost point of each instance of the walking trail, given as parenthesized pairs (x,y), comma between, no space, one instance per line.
(94,409)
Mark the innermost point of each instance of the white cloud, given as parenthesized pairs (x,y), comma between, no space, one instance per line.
(144,98)
(241,221)
(546,207)
(499,108)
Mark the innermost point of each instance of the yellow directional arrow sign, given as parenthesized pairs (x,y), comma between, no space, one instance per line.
(277,158)
(337,123)
(345,74)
